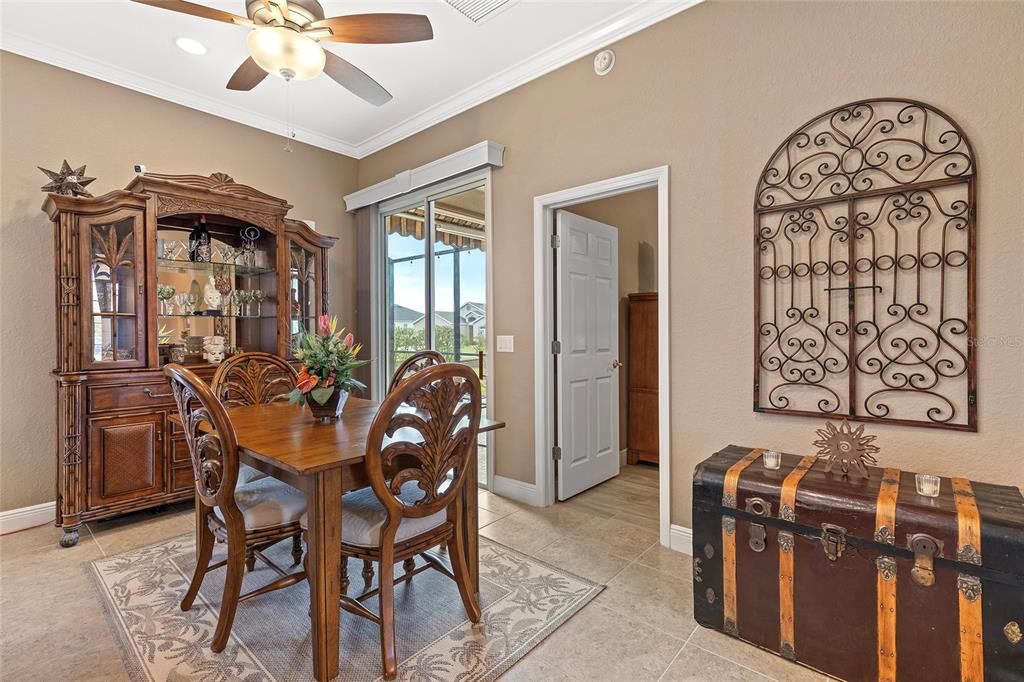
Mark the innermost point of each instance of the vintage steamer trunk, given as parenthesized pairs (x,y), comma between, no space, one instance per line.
(862,579)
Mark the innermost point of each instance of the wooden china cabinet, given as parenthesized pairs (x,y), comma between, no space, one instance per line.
(117,451)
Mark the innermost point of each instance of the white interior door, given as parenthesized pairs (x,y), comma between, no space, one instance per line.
(587,323)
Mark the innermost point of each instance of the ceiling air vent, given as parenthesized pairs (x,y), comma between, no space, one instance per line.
(478,11)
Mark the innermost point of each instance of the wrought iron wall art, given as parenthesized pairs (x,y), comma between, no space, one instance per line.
(864,268)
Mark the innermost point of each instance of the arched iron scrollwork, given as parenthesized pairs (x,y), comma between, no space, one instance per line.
(864,268)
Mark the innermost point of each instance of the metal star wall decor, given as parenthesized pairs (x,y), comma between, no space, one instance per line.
(847,447)
(67,181)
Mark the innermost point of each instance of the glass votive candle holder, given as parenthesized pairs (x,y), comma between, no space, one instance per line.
(927,485)
(772,459)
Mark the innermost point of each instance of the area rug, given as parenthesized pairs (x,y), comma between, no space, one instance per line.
(523,600)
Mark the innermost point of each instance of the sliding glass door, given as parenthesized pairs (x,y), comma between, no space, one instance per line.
(435,281)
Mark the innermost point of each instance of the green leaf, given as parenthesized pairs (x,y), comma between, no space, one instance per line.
(322,395)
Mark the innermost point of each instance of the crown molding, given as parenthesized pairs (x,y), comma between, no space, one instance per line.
(104,71)
(634,18)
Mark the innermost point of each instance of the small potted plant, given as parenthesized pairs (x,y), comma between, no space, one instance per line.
(328,359)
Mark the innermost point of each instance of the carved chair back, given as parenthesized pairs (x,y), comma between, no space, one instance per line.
(414,363)
(425,431)
(253,379)
(214,450)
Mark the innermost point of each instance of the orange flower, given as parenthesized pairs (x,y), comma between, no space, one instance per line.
(306,382)
(329,382)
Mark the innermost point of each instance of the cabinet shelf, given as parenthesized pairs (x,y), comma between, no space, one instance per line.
(204,266)
(223,317)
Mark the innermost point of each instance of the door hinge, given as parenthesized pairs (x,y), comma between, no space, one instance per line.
(556,347)
(556,453)
(556,241)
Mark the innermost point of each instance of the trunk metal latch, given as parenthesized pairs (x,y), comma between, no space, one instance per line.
(833,540)
(925,549)
(757,535)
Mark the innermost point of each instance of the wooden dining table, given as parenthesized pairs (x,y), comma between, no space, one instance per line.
(326,460)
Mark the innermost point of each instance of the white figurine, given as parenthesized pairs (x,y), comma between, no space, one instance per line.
(211,297)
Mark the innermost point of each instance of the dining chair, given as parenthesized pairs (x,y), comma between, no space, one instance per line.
(255,379)
(414,363)
(418,451)
(254,515)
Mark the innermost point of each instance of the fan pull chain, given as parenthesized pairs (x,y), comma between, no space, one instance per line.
(291,114)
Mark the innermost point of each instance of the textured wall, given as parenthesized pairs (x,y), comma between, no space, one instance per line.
(635,215)
(712,92)
(47,115)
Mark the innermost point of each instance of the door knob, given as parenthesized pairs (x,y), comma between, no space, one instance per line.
(617,363)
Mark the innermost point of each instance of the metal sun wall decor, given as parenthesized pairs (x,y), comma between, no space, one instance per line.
(864,268)
(847,447)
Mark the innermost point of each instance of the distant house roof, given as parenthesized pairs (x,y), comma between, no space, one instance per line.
(447,316)
(403,314)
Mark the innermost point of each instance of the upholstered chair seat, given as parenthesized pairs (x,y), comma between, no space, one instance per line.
(248,474)
(363,516)
(268,502)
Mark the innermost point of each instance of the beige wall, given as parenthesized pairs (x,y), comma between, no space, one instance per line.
(711,92)
(635,215)
(48,115)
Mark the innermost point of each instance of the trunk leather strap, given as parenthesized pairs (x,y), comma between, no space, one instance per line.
(729,489)
(972,667)
(787,545)
(885,524)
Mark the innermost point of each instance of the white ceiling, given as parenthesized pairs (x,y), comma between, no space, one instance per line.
(466,63)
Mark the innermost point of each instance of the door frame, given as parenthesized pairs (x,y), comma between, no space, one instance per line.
(544,207)
(424,195)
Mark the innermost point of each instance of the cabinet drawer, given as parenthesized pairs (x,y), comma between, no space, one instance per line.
(182,479)
(179,451)
(127,396)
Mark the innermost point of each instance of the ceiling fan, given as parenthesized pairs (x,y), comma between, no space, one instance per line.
(285,41)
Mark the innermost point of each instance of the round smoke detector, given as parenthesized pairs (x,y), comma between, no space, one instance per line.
(603,62)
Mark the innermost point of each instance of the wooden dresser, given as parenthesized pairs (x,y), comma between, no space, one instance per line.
(117,451)
(642,379)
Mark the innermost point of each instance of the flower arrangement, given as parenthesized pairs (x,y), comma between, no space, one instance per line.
(328,358)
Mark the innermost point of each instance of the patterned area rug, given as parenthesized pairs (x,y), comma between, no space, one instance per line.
(523,601)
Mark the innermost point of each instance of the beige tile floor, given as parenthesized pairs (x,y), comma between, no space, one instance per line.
(639,628)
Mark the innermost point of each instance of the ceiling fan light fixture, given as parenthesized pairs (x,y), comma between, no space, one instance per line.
(286,53)
(190,45)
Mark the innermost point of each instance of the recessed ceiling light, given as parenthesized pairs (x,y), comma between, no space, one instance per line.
(190,45)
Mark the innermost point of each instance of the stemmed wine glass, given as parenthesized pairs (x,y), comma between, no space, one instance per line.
(164,294)
(181,300)
(242,298)
(258,297)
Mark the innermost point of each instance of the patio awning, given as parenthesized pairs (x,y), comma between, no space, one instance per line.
(450,228)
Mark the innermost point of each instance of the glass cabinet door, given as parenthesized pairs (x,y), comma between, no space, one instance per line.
(113,248)
(305,272)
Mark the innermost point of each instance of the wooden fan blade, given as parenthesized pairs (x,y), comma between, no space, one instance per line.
(353,79)
(247,76)
(376,28)
(197,11)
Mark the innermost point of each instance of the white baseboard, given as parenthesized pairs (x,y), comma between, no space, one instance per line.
(527,493)
(681,539)
(27,517)
(622,457)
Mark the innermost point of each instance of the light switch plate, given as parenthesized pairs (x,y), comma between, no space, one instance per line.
(506,344)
